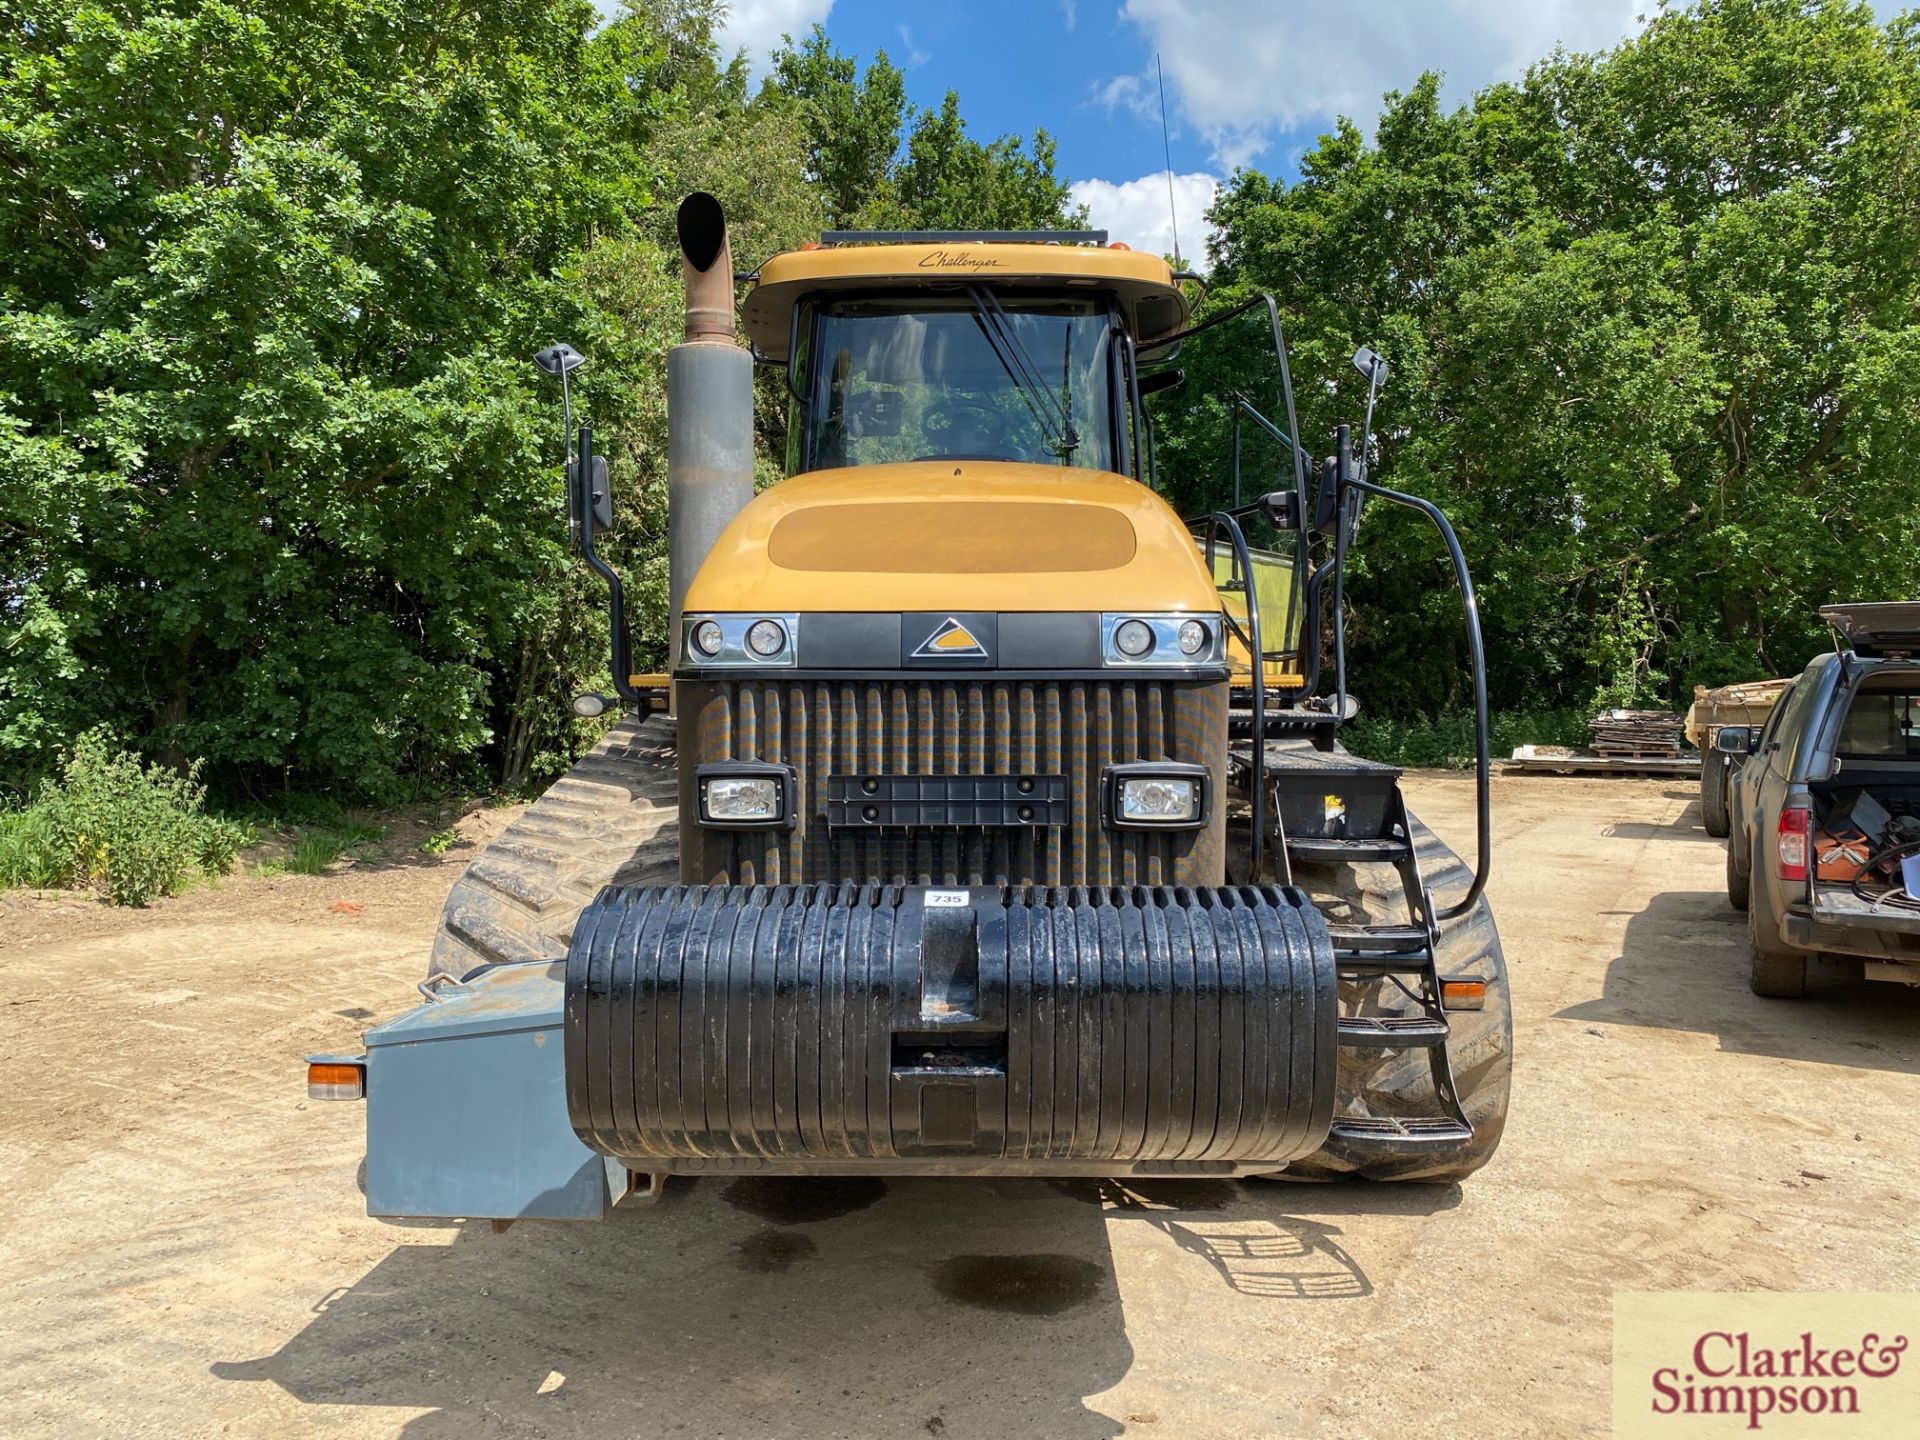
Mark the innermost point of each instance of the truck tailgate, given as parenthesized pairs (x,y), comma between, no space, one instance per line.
(1836,904)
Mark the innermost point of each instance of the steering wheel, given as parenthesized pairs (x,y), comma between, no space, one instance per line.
(980,424)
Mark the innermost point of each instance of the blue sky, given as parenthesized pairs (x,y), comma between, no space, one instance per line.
(1248,82)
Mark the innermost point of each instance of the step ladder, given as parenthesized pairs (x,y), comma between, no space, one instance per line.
(1406,955)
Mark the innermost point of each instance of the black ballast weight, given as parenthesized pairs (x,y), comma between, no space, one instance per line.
(816,1029)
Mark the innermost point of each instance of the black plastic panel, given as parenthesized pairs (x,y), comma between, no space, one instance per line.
(856,641)
(965,800)
(903,1028)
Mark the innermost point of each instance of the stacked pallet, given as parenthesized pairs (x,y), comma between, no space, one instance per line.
(1637,732)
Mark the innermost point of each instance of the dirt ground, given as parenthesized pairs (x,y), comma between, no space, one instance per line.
(185,1252)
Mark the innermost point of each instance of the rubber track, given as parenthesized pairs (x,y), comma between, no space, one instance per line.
(613,819)
(1400,1082)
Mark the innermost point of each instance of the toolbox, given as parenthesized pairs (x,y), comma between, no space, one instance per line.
(1330,795)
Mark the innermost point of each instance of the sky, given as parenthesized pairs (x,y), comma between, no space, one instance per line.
(1248,82)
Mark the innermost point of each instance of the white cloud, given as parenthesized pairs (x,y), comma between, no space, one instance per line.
(1136,211)
(1128,92)
(757,25)
(1243,70)
(1070,12)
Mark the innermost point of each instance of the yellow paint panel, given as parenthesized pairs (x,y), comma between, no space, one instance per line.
(953,537)
(918,536)
(966,259)
(1143,283)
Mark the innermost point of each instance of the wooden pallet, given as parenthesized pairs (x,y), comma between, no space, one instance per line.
(1660,766)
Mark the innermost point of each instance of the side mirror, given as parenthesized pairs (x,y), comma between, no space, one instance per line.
(558,360)
(1371,364)
(1735,740)
(596,503)
(1282,507)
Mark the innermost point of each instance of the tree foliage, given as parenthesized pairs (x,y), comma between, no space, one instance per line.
(278,485)
(943,179)
(1654,320)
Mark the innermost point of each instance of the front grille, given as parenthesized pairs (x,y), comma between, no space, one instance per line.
(1073,729)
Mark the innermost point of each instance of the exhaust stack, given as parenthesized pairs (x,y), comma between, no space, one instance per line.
(709,406)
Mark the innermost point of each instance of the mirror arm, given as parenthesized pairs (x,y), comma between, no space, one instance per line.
(580,482)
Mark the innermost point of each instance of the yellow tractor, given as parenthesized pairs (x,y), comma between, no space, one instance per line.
(990,818)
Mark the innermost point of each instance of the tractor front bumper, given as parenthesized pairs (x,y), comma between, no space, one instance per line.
(881,1030)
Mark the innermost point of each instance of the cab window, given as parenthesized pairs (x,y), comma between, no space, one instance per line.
(965,377)
(1881,722)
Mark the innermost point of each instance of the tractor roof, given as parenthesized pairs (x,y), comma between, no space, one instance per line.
(1143,284)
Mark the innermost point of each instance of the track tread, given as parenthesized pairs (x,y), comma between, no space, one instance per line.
(612,819)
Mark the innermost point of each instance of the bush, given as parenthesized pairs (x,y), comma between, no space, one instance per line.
(112,822)
(29,854)
(316,850)
(1446,743)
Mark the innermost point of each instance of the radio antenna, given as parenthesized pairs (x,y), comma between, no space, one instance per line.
(1166,142)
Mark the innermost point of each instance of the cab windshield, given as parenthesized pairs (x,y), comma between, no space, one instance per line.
(972,376)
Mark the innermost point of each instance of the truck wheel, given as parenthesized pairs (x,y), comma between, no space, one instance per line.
(612,817)
(1400,1082)
(1713,795)
(1776,972)
(1739,881)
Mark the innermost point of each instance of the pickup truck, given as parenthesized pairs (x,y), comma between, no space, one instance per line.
(1826,805)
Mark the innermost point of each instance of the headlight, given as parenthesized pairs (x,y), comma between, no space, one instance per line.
(1151,796)
(1133,639)
(766,638)
(743,798)
(1158,800)
(1177,640)
(745,794)
(729,640)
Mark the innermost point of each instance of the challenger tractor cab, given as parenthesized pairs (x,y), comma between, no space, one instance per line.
(998,823)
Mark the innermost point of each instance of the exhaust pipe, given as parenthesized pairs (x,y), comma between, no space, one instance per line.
(709,406)
(709,269)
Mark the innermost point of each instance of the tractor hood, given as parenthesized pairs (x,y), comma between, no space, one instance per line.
(931,535)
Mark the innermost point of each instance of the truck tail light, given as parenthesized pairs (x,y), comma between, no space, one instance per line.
(1791,836)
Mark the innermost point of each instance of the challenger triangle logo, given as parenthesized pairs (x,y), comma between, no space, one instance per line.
(950,640)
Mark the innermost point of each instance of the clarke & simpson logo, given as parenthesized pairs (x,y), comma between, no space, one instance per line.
(1796,1367)
(1732,1374)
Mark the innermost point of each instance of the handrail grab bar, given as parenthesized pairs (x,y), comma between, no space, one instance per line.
(1476,655)
(1217,522)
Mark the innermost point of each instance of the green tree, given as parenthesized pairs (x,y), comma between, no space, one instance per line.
(1653,316)
(853,121)
(879,164)
(950,181)
(277,488)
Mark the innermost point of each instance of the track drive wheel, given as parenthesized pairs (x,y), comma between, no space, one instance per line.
(1399,1083)
(612,818)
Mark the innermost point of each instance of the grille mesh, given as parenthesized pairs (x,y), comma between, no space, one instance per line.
(952,727)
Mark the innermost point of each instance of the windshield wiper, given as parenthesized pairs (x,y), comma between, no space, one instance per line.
(1013,357)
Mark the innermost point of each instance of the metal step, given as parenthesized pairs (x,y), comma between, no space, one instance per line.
(1381,949)
(1388,848)
(1393,1031)
(1422,1132)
